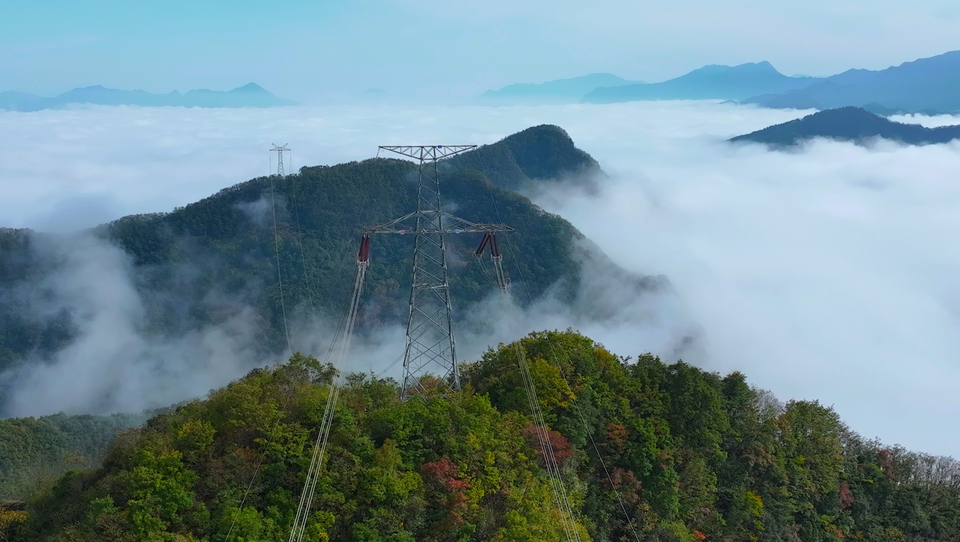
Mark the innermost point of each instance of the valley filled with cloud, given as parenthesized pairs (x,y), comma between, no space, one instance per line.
(826,272)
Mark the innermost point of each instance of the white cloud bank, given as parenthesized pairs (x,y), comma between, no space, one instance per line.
(830,273)
(114,364)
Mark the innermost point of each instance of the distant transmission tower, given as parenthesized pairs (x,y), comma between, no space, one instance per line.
(279,150)
(430,346)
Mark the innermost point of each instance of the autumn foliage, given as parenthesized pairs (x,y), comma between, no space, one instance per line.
(649,451)
(444,473)
(557,443)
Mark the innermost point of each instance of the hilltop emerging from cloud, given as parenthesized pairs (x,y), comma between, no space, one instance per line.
(848,124)
(249,95)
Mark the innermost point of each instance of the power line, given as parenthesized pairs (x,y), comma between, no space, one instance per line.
(320,446)
(430,341)
(279,149)
(553,354)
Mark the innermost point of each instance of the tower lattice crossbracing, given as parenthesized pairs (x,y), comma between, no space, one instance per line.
(431,346)
(280,149)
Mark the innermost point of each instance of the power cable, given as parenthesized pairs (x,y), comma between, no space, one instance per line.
(298,530)
(303,260)
(326,359)
(568,519)
(554,355)
(276,246)
(320,446)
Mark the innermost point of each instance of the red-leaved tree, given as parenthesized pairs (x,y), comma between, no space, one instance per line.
(443,476)
(559,443)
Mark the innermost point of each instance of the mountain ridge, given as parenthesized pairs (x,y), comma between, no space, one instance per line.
(848,124)
(712,81)
(568,90)
(206,265)
(930,85)
(249,95)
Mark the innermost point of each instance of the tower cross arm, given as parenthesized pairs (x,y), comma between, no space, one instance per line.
(474,228)
(451,224)
(425,153)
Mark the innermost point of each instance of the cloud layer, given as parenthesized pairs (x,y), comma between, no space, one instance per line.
(114,363)
(828,273)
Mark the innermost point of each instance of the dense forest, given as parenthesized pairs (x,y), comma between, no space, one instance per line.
(650,451)
(34,452)
(202,263)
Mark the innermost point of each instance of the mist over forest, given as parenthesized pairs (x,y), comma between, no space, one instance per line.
(497,271)
(715,319)
(815,219)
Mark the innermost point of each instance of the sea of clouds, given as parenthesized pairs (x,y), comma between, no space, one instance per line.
(828,272)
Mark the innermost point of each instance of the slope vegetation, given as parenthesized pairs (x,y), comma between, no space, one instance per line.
(649,451)
(36,451)
(849,124)
(201,264)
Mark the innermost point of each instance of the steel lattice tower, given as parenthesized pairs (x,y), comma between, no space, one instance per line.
(431,346)
(279,149)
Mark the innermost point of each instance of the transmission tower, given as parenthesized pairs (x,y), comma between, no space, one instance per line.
(431,347)
(279,149)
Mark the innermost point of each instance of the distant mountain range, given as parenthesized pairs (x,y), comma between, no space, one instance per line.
(708,82)
(559,91)
(848,124)
(928,85)
(250,95)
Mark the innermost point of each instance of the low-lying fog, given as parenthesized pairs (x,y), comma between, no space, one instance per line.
(826,273)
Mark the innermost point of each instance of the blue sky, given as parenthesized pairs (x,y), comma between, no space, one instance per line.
(310,49)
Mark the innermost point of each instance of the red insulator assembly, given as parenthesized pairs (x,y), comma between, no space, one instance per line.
(483,244)
(364,255)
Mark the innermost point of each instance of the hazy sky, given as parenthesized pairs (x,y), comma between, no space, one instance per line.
(310,49)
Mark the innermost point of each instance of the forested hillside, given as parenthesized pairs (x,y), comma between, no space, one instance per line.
(34,452)
(691,456)
(201,264)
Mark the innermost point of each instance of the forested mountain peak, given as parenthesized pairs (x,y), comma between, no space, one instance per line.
(542,153)
(210,267)
(650,451)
